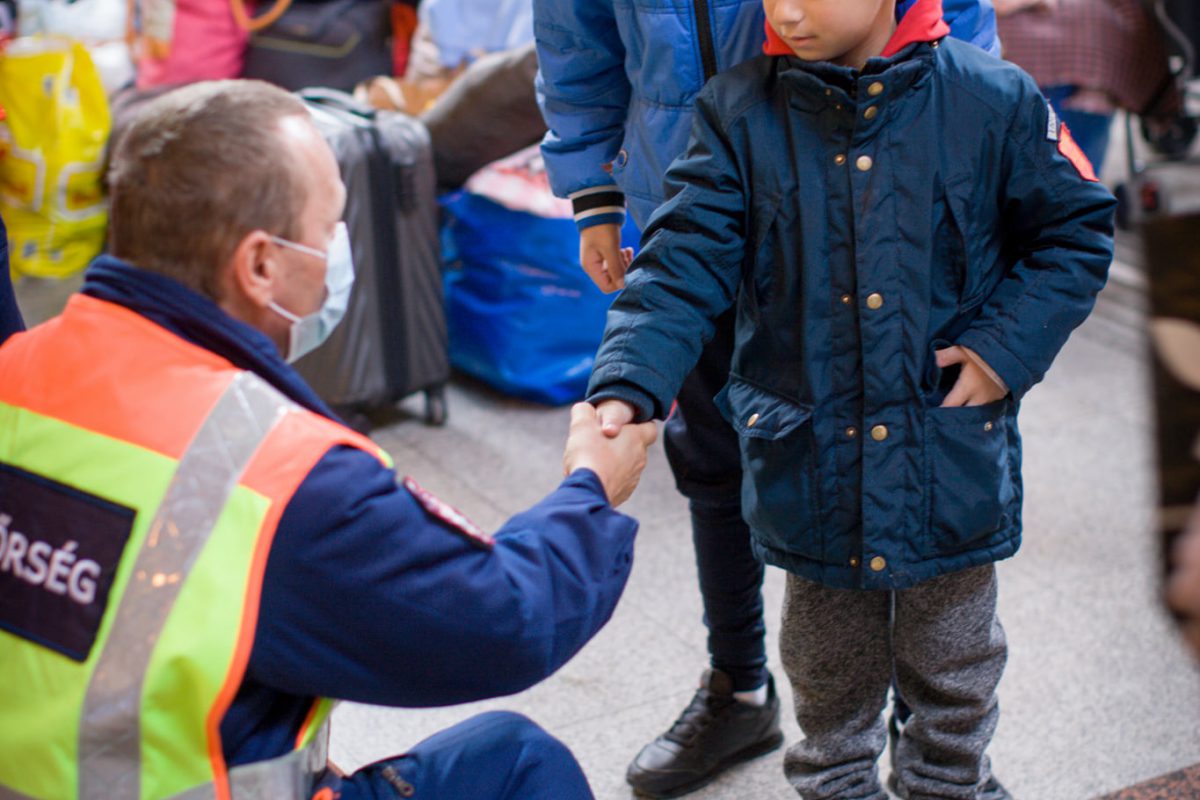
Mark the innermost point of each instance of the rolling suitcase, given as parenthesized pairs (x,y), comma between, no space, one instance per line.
(392,341)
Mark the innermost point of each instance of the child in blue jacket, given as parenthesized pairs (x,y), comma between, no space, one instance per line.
(617,86)
(906,236)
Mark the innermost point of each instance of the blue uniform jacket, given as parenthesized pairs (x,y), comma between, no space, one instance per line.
(619,78)
(855,243)
(367,597)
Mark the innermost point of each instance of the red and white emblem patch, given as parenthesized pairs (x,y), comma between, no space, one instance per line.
(448,514)
(1074,153)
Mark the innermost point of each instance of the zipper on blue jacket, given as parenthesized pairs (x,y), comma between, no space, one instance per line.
(708,55)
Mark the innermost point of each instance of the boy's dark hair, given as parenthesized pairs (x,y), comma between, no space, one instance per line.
(198,169)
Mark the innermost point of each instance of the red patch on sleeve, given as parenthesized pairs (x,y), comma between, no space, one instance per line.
(1068,147)
(448,514)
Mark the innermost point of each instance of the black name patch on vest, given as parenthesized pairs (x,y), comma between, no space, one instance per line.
(59,550)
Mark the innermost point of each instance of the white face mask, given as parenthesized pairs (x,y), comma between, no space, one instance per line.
(308,332)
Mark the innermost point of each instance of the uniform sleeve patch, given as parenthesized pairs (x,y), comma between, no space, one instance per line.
(448,514)
(1074,154)
(59,552)
(1052,124)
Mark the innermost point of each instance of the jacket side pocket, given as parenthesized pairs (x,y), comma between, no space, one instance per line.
(969,483)
(780,497)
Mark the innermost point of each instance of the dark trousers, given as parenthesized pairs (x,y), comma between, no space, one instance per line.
(703,452)
(494,756)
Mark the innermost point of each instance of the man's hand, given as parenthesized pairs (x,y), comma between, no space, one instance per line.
(974,386)
(618,460)
(1183,586)
(603,258)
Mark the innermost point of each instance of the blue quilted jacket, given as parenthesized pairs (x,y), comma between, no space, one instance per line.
(619,78)
(854,243)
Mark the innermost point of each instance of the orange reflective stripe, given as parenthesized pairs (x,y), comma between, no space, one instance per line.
(308,718)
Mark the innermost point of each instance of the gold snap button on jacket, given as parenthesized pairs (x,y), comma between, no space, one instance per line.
(874,301)
(851,432)
(875,89)
(839,159)
(853,561)
(846,299)
(750,423)
(863,163)
(871,112)
(878,563)
(987,426)
(879,433)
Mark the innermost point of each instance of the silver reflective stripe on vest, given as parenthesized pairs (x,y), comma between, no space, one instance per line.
(110,737)
(289,777)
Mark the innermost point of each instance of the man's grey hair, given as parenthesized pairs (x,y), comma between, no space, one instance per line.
(197,170)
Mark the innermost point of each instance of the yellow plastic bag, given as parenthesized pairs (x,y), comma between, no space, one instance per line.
(51,155)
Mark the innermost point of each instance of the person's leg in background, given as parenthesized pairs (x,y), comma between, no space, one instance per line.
(735,714)
(10,315)
(1084,112)
(494,756)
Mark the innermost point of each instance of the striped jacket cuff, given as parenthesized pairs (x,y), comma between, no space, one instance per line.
(598,205)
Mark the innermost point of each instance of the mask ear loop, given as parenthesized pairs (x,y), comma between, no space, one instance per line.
(303,248)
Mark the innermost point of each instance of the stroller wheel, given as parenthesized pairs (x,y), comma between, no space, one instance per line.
(1171,137)
(1121,193)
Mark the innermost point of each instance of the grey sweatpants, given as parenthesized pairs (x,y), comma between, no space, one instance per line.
(841,647)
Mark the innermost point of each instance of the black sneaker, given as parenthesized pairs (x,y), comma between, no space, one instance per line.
(712,734)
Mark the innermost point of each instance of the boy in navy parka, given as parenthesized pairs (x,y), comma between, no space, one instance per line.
(908,236)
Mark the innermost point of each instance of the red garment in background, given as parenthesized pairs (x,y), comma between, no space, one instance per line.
(1110,45)
(404,25)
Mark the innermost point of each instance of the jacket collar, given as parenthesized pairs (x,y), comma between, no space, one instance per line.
(199,320)
(917,21)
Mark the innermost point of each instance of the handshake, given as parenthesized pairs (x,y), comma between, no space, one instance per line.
(603,440)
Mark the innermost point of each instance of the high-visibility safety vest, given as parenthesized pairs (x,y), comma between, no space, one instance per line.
(141,482)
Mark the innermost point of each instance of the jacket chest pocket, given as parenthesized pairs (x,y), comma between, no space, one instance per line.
(762,251)
(779,457)
(969,477)
(963,248)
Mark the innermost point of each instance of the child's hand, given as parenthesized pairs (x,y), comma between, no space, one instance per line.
(975,386)
(613,415)
(603,258)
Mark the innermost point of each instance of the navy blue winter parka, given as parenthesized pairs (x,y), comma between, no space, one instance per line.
(859,221)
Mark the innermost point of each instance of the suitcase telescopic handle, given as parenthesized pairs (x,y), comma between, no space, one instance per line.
(332,98)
